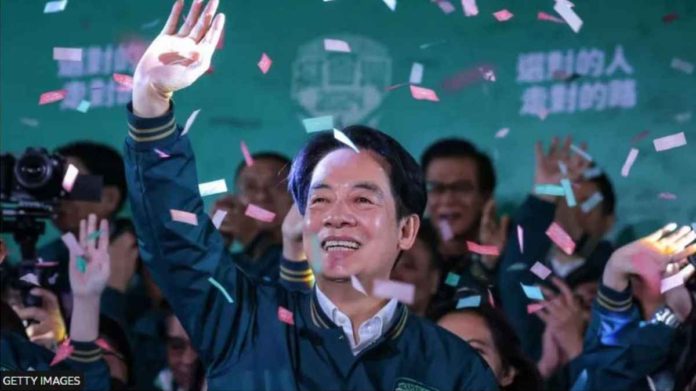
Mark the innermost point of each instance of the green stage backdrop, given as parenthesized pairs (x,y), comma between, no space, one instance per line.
(613,84)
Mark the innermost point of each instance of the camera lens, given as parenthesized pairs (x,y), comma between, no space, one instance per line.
(33,170)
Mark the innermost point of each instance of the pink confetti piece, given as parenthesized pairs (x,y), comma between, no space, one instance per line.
(259,213)
(503,15)
(549,18)
(161,154)
(64,351)
(640,136)
(101,342)
(502,133)
(70,177)
(357,285)
(340,136)
(671,17)
(667,196)
(539,270)
(285,316)
(564,9)
(671,282)
(561,238)
(630,159)
(682,65)
(184,217)
(52,96)
(446,7)
(534,307)
(669,142)
(490,298)
(389,289)
(482,249)
(218,218)
(470,8)
(336,45)
(190,121)
(55,6)
(125,81)
(421,93)
(67,54)
(72,244)
(247,156)
(445,230)
(520,238)
(487,74)
(264,63)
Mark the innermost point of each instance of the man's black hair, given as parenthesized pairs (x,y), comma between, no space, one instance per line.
(428,235)
(405,176)
(264,155)
(460,148)
(103,160)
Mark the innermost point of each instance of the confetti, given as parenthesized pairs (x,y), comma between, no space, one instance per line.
(669,142)
(564,168)
(542,114)
(482,249)
(416,76)
(125,81)
(213,187)
(184,217)
(567,13)
(470,8)
(534,307)
(64,351)
(83,106)
(683,117)
(532,292)
(487,74)
(285,316)
(581,152)
(539,270)
(391,4)
(189,121)
(467,302)
(218,217)
(446,7)
(592,172)
(430,44)
(336,45)
(682,65)
(669,283)
(639,136)
(395,86)
(520,238)
(33,122)
(30,278)
(221,288)
(667,196)
(81,264)
(502,133)
(549,18)
(561,238)
(69,178)
(591,202)
(503,15)
(264,63)
(101,342)
(150,24)
(315,254)
(318,124)
(55,6)
(259,213)
(161,154)
(357,285)
(568,190)
(388,289)
(72,244)
(669,18)
(72,54)
(517,266)
(630,159)
(247,156)
(445,230)
(340,136)
(549,189)
(52,96)
(452,279)
(421,93)
(94,235)
(490,298)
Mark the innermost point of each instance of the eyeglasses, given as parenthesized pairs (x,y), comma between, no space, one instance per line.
(461,188)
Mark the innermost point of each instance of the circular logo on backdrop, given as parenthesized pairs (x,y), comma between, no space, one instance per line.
(348,86)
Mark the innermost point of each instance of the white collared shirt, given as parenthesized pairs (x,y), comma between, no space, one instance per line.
(369,331)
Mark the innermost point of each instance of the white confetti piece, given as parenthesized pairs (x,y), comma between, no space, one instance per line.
(568,190)
(340,136)
(445,230)
(581,152)
(567,13)
(30,278)
(539,270)
(630,159)
(592,172)
(189,121)
(391,4)
(592,202)
(446,6)
(388,289)
(218,217)
(470,8)
(469,302)
(682,65)
(161,154)
(416,76)
(258,213)
(532,292)
(184,217)
(357,285)
(669,142)
(520,238)
(213,187)
(502,133)
(336,45)
(671,282)
(55,6)
(69,178)
(221,288)
(67,54)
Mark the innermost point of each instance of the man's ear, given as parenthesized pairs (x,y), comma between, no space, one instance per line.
(111,196)
(408,230)
(508,376)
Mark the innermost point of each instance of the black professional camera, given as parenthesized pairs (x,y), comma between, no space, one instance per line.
(31,188)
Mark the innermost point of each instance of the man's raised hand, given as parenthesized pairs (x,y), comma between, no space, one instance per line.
(177,57)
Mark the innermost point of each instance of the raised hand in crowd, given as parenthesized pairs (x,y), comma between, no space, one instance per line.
(493,231)
(565,319)
(547,168)
(46,326)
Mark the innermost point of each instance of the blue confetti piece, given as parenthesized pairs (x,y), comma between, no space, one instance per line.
(591,202)
(549,189)
(94,235)
(591,173)
(221,289)
(568,190)
(81,264)
(83,106)
(467,302)
(452,279)
(581,383)
(318,124)
(517,266)
(532,292)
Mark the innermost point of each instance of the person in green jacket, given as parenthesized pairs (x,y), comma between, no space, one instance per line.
(362,209)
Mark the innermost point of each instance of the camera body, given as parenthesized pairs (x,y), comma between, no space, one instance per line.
(33,179)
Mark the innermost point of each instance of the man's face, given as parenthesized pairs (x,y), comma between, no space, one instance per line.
(352,211)
(181,357)
(454,194)
(71,212)
(594,223)
(263,184)
(415,268)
